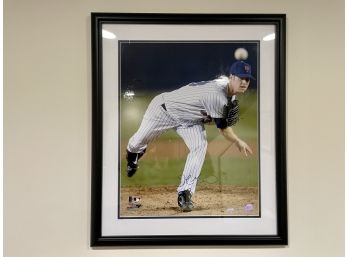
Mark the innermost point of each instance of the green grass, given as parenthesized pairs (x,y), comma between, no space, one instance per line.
(239,172)
(229,171)
(226,171)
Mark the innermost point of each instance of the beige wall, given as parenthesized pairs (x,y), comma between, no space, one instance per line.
(47,126)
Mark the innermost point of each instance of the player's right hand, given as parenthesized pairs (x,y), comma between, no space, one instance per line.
(243,147)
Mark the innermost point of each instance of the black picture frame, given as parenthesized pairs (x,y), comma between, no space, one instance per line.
(276,20)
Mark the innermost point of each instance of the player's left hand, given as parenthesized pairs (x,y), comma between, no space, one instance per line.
(243,147)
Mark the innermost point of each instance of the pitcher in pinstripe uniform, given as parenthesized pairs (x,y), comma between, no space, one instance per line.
(186,110)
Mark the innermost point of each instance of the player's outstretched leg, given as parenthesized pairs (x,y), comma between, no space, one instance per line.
(184,201)
(132,162)
(155,122)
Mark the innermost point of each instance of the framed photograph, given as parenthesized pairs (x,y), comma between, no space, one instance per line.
(188,129)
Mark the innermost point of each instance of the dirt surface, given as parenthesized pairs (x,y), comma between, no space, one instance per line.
(212,200)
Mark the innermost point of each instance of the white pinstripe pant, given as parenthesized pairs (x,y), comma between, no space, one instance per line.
(155,122)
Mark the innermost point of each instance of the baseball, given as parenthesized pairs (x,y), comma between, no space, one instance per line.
(241,54)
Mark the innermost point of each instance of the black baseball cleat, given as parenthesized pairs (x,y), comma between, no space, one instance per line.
(132,162)
(184,201)
(131,168)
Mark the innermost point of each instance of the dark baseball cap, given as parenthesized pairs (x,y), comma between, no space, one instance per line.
(241,69)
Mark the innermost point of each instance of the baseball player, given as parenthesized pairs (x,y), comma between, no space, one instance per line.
(186,110)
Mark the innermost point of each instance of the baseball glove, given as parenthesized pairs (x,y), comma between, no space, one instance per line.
(231,112)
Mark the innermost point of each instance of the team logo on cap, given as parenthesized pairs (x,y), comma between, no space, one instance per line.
(246,68)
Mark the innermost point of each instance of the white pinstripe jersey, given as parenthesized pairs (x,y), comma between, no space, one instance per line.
(191,103)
